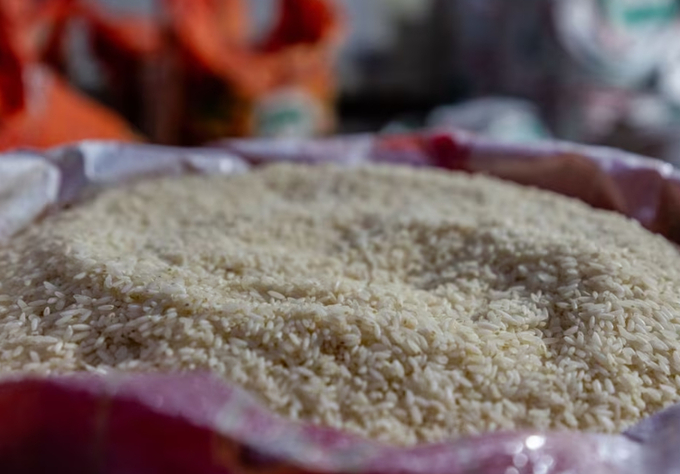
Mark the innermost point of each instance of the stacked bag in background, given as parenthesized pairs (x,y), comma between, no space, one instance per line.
(38,109)
(182,72)
(598,71)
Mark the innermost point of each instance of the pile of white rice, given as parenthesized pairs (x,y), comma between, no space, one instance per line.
(403,305)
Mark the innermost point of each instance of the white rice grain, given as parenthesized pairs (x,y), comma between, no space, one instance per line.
(403,305)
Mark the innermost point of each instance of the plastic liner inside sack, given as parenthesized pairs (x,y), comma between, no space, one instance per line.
(194,423)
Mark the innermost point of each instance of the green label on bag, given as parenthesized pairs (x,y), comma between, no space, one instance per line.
(640,13)
(288,113)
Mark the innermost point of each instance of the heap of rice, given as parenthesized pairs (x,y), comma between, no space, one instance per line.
(403,305)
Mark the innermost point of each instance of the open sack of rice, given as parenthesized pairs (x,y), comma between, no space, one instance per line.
(320,317)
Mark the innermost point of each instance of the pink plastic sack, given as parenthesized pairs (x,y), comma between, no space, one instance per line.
(151,423)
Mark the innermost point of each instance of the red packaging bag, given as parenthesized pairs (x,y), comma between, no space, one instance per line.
(195,76)
(283,88)
(55,114)
(37,109)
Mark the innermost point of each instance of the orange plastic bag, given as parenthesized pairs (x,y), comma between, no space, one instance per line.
(37,109)
(55,114)
(191,75)
(285,87)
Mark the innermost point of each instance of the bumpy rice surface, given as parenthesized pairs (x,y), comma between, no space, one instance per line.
(403,305)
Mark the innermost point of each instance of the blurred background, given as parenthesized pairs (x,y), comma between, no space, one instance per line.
(189,72)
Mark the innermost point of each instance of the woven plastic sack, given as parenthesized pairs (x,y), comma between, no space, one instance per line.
(146,423)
